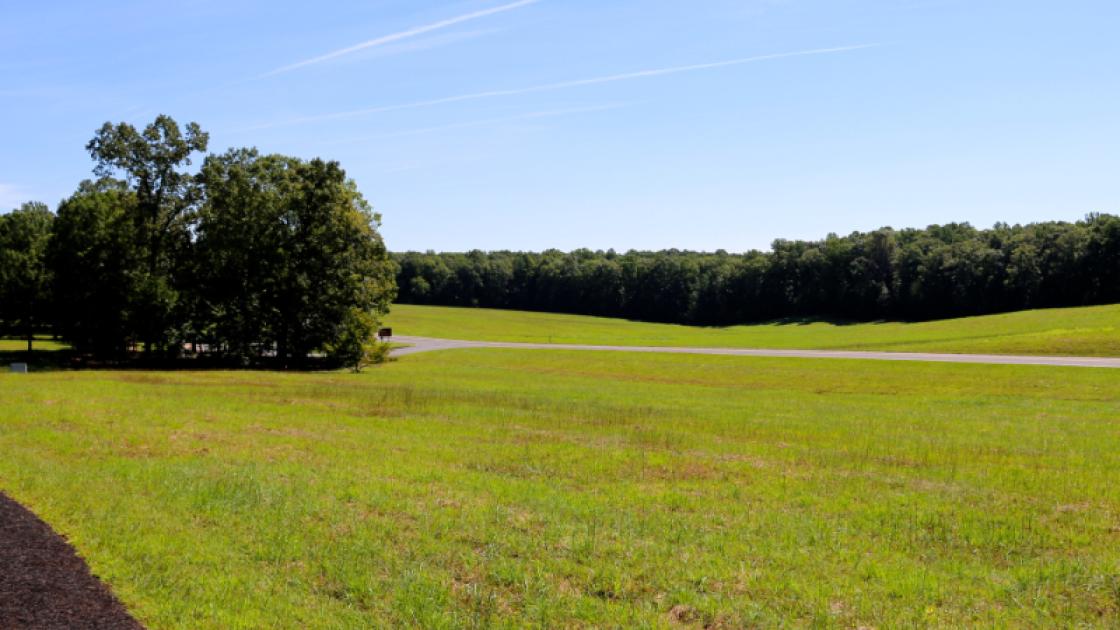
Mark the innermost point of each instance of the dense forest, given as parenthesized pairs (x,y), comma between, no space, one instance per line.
(252,259)
(911,274)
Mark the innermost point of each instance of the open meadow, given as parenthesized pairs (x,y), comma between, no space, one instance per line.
(536,314)
(499,488)
(1086,331)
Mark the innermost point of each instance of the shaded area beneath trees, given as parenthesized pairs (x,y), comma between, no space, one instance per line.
(69,359)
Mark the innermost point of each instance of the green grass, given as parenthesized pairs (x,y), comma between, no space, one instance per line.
(8,345)
(483,488)
(1090,331)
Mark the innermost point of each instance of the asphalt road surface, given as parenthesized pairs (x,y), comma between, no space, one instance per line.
(428,344)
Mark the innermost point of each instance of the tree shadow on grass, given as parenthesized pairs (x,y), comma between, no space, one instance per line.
(38,360)
(797,321)
(69,360)
(831,321)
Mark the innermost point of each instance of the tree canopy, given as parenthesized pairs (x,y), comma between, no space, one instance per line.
(252,259)
(98,269)
(153,163)
(24,276)
(910,274)
(288,256)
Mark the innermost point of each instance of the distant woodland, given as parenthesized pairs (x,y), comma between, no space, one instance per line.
(910,274)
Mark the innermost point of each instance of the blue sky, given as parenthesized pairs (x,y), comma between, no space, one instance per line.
(502,124)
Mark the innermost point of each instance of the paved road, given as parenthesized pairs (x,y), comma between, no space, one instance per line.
(428,344)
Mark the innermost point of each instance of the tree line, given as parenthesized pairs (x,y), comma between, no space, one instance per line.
(254,258)
(258,258)
(910,274)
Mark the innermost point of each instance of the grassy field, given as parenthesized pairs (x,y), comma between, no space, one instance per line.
(498,488)
(9,345)
(1091,331)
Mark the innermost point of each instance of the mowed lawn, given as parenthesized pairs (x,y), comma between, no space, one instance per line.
(1088,331)
(10,345)
(499,488)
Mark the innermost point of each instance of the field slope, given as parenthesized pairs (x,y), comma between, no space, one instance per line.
(498,488)
(1089,331)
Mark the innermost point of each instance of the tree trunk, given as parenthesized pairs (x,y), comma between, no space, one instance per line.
(30,327)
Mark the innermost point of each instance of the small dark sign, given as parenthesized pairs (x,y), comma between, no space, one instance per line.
(385,333)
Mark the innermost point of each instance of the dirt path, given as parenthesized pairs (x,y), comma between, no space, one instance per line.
(428,344)
(43,582)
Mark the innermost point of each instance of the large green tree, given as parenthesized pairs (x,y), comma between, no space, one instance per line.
(153,163)
(98,268)
(24,277)
(289,259)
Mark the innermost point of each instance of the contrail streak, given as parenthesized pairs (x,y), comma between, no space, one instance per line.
(563,85)
(396,37)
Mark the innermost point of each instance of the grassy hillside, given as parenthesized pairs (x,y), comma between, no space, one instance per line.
(519,489)
(1091,331)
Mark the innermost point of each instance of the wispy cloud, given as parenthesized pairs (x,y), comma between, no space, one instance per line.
(431,42)
(554,113)
(396,37)
(629,76)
